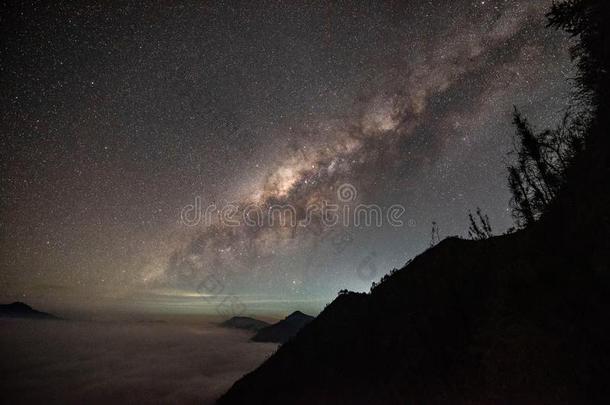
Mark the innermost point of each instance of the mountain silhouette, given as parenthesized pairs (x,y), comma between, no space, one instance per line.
(283,330)
(21,310)
(464,320)
(244,322)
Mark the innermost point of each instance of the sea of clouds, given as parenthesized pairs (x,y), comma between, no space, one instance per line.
(122,362)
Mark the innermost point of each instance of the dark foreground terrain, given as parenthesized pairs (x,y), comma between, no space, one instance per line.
(499,319)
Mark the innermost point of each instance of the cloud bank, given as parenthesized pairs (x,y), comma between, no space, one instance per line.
(115,362)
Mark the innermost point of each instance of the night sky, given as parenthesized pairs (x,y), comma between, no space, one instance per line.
(115,118)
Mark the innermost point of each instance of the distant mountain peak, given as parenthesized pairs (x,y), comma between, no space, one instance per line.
(19,304)
(283,330)
(19,309)
(244,322)
(298,314)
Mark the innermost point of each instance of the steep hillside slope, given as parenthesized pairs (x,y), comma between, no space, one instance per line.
(504,318)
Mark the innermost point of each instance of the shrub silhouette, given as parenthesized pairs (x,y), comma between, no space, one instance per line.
(480,227)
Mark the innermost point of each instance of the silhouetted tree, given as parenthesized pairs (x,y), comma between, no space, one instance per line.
(587,20)
(542,160)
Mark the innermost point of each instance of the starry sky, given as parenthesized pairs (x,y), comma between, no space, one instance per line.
(116,118)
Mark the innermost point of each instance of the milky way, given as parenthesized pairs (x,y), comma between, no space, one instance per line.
(116,119)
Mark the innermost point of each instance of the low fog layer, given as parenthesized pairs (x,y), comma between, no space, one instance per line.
(104,362)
